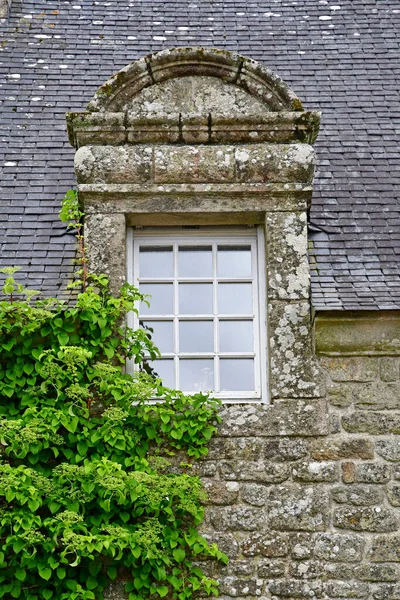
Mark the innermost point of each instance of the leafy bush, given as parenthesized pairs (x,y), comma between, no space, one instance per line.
(85,490)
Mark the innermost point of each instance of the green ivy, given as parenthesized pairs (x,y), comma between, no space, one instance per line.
(86,490)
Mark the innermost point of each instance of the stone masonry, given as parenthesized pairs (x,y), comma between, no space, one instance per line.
(304,489)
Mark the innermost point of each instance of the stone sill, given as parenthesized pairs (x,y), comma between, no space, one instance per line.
(358,333)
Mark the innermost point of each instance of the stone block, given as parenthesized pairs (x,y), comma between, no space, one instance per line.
(260,471)
(373,519)
(237,587)
(389,369)
(114,164)
(306,569)
(274,163)
(221,492)
(288,270)
(373,473)
(226,542)
(293,588)
(377,573)
(385,548)
(270,545)
(346,589)
(194,164)
(388,449)
(254,494)
(375,423)
(196,129)
(237,518)
(294,372)
(348,472)
(351,368)
(387,592)
(337,547)
(376,396)
(285,449)
(393,494)
(339,394)
(344,571)
(333,448)
(298,508)
(314,472)
(285,418)
(241,568)
(302,545)
(358,495)
(267,569)
(237,448)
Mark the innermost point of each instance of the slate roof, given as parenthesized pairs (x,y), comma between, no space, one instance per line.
(339,56)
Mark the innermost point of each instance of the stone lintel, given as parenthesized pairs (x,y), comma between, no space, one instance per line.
(358,333)
(116,128)
(194,198)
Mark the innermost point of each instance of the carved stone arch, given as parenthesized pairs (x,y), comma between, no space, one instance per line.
(268,90)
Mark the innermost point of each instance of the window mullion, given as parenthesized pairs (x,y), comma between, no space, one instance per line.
(215,318)
(176,318)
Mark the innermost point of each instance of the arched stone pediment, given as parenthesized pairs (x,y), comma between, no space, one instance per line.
(194,80)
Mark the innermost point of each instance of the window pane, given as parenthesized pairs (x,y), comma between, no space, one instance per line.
(161,301)
(237,374)
(234,261)
(196,374)
(236,336)
(196,336)
(164,369)
(235,299)
(195,298)
(195,261)
(162,334)
(156,261)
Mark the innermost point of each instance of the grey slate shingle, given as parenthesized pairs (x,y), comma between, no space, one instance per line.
(339,57)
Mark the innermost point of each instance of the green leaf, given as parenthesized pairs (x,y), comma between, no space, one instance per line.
(20,574)
(45,573)
(112,572)
(162,590)
(61,573)
(179,554)
(63,339)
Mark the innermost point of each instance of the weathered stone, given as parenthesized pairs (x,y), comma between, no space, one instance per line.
(221,492)
(254,471)
(334,423)
(241,568)
(337,547)
(194,164)
(243,448)
(294,370)
(339,395)
(387,592)
(385,548)
(306,569)
(389,369)
(114,164)
(237,518)
(346,589)
(358,495)
(376,519)
(293,588)
(373,473)
(351,368)
(225,542)
(268,569)
(371,422)
(285,449)
(348,472)
(274,162)
(298,508)
(376,396)
(286,418)
(343,571)
(236,587)
(376,573)
(316,472)
(388,449)
(393,494)
(204,469)
(254,494)
(302,545)
(269,544)
(293,282)
(338,449)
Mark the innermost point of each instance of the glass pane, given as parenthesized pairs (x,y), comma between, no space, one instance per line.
(164,369)
(234,261)
(195,298)
(161,301)
(161,333)
(237,374)
(235,299)
(195,261)
(236,336)
(156,261)
(196,336)
(196,374)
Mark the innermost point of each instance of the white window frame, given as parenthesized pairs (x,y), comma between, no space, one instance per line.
(213,236)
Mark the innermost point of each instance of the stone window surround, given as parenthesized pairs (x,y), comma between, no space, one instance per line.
(222,177)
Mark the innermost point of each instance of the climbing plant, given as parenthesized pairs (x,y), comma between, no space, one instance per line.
(87,493)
